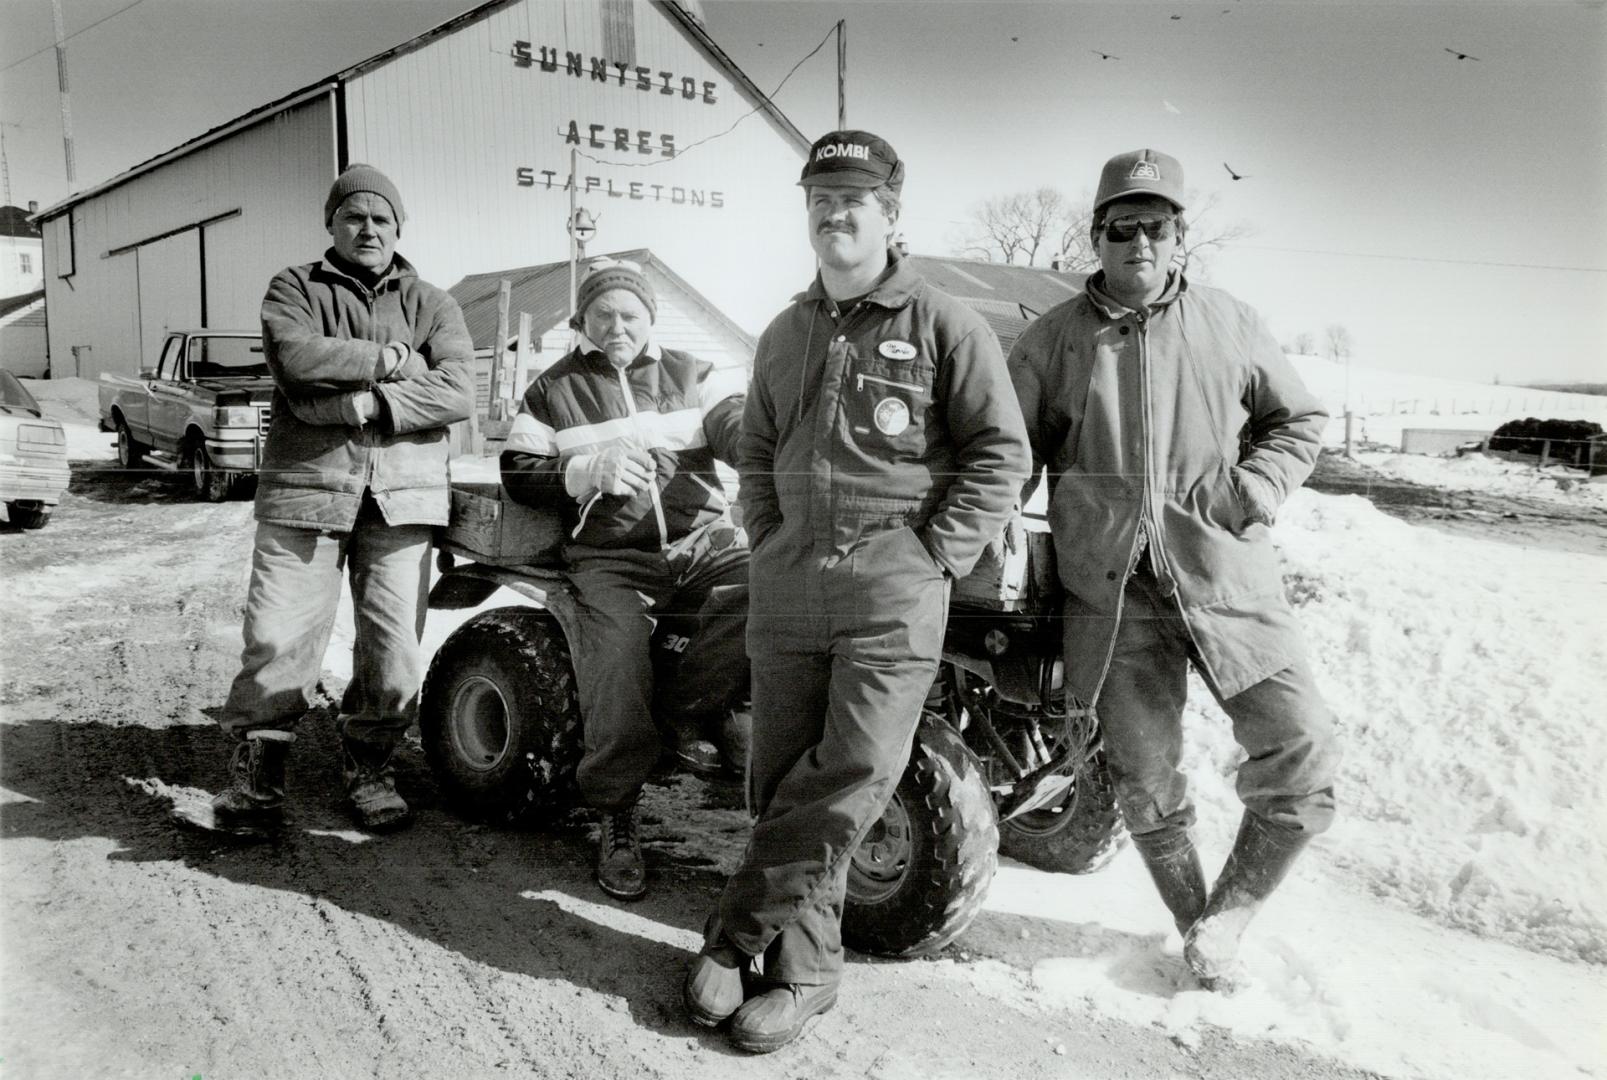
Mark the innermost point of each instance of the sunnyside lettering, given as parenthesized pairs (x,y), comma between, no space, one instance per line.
(600,69)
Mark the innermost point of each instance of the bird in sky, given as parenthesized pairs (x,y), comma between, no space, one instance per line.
(1229,168)
(1460,55)
(1104,55)
(1176,17)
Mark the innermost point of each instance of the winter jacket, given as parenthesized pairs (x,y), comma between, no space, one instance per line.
(1182,429)
(898,413)
(681,410)
(323,333)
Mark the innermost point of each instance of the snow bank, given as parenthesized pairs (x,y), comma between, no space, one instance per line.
(76,403)
(1492,475)
(1467,676)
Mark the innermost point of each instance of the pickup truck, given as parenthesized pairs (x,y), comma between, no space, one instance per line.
(203,408)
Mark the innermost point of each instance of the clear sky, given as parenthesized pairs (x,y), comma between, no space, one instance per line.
(1451,214)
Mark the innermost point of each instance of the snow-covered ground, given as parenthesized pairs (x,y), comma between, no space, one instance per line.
(1453,924)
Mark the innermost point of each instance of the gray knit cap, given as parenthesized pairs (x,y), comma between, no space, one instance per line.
(358,177)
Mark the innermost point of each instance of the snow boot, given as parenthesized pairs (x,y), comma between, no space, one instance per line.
(621,872)
(716,981)
(371,784)
(1260,859)
(773,1018)
(1175,867)
(255,797)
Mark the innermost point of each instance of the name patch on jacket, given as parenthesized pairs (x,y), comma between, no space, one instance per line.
(897,350)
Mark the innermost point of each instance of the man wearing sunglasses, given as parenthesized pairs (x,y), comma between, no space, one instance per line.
(1173,427)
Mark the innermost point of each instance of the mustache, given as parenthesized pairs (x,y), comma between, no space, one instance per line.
(835,226)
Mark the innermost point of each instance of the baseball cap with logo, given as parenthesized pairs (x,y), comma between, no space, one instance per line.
(852,159)
(1140,172)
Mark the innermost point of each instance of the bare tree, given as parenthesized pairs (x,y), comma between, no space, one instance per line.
(1305,344)
(1337,342)
(1012,228)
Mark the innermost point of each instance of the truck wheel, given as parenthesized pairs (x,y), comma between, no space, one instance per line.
(27,519)
(500,717)
(129,452)
(919,877)
(1077,835)
(210,482)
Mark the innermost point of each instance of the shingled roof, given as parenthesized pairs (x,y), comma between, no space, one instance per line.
(1009,297)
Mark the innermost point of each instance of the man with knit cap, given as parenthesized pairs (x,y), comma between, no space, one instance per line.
(1173,427)
(882,449)
(370,366)
(621,435)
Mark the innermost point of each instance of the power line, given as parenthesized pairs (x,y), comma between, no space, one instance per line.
(1421,258)
(69,37)
(769,99)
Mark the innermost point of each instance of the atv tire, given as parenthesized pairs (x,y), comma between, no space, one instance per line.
(1078,835)
(919,877)
(500,717)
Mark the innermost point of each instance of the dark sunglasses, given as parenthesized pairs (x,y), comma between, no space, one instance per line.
(1122,230)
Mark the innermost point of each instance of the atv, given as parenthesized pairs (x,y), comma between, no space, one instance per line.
(1002,760)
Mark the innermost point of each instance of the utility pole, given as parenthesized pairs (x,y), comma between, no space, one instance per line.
(842,74)
(66,102)
(5,162)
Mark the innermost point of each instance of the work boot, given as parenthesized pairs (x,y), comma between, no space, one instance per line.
(736,740)
(772,1019)
(1261,857)
(693,752)
(620,869)
(371,784)
(255,797)
(715,985)
(1174,866)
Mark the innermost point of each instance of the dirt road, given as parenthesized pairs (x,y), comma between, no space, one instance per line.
(135,947)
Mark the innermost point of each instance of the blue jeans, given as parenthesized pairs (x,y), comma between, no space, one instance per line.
(1282,722)
(290,610)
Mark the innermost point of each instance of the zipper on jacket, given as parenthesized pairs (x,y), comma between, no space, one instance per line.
(913,388)
(1163,561)
(652,483)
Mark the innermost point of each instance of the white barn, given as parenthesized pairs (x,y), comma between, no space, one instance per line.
(477,122)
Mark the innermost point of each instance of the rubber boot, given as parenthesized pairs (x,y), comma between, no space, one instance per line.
(255,797)
(371,784)
(775,1016)
(1175,867)
(1260,859)
(621,871)
(716,982)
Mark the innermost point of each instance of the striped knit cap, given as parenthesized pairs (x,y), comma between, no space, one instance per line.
(604,274)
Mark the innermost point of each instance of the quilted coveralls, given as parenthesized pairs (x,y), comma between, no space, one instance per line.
(1171,437)
(882,448)
(669,548)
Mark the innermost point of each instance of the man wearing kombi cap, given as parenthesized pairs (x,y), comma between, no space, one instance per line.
(1173,427)
(882,448)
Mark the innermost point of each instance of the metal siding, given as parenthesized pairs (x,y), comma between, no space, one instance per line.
(276,173)
(452,121)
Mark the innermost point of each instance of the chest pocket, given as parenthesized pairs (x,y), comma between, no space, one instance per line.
(888,399)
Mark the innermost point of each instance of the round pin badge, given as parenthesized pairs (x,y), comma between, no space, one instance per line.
(892,416)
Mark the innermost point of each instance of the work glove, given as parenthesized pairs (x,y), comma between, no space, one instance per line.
(618,470)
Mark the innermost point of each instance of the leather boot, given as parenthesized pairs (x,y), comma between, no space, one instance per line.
(1175,867)
(621,871)
(693,751)
(371,784)
(1261,857)
(736,740)
(773,1018)
(716,981)
(255,797)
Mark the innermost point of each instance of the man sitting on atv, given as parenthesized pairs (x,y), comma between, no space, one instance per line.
(622,435)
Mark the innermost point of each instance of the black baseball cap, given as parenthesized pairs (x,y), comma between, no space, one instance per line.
(855,159)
